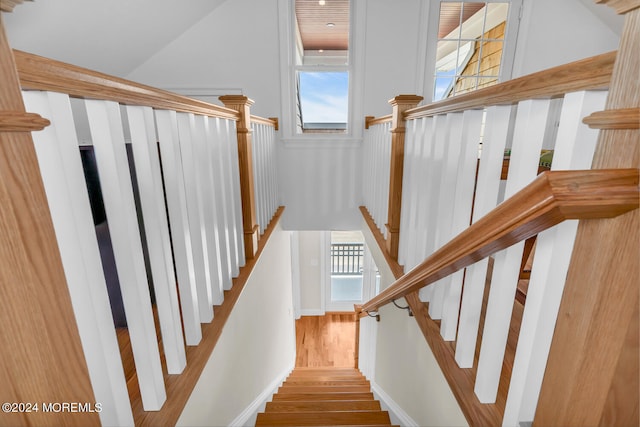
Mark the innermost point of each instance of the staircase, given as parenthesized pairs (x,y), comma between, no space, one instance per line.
(324,397)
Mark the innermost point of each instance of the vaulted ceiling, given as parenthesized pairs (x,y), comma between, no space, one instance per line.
(113,37)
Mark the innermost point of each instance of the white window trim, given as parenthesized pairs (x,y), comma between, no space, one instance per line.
(288,69)
(510,40)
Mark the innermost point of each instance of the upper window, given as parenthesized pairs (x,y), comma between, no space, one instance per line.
(470,48)
(322,65)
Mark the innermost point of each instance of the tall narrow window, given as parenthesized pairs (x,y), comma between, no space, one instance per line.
(322,65)
(470,47)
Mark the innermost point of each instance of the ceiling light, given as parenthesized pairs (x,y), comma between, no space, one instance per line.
(330,24)
(321,2)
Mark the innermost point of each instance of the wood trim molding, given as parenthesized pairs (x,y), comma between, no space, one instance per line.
(550,199)
(271,121)
(18,121)
(589,377)
(371,120)
(621,6)
(179,387)
(622,118)
(242,105)
(586,74)
(400,104)
(40,73)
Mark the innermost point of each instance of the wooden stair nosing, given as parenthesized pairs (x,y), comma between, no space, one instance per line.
(323,396)
(323,405)
(332,382)
(324,389)
(323,418)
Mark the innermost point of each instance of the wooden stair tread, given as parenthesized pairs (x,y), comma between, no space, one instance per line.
(323,418)
(323,396)
(324,389)
(323,405)
(328,382)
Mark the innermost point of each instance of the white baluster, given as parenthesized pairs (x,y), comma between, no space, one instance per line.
(498,121)
(108,140)
(195,210)
(531,122)
(214,143)
(145,152)
(444,204)
(167,124)
(407,200)
(232,146)
(574,149)
(461,214)
(64,181)
(207,195)
(428,208)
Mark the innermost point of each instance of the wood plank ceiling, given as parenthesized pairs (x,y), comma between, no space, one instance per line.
(450,16)
(313,19)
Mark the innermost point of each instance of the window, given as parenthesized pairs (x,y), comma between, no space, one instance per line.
(323,97)
(322,66)
(471,50)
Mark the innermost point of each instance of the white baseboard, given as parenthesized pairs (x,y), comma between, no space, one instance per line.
(388,404)
(248,416)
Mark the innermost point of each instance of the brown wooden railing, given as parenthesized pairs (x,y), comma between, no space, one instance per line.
(552,198)
(602,273)
(215,141)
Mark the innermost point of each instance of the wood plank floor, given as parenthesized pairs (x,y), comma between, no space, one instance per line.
(325,341)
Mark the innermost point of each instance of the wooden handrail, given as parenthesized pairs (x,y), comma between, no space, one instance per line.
(371,120)
(550,199)
(622,118)
(39,73)
(271,121)
(586,74)
(16,121)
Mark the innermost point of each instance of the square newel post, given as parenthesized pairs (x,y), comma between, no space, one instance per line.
(242,104)
(400,104)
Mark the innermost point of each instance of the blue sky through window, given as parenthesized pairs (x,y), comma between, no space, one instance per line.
(324,96)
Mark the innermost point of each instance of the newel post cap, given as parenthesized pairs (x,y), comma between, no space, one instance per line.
(406,100)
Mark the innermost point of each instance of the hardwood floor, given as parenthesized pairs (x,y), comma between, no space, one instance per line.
(326,341)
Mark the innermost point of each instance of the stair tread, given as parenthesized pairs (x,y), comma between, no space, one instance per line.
(324,396)
(323,389)
(328,382)
(323,418)
(323,405)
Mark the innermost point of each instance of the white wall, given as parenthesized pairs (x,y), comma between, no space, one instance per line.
(557,32)
(405,369)
(257,345)
(310,262)
(235,48)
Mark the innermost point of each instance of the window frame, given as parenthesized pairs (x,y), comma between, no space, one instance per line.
(508,50)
